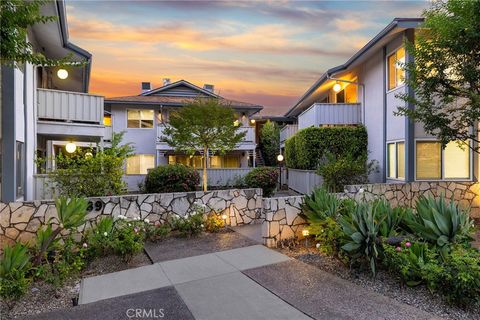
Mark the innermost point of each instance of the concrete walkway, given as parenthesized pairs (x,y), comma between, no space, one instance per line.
(246,283)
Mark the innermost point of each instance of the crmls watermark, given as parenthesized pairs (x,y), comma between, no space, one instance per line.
(145,313)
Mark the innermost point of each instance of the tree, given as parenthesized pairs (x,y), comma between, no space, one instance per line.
(206,125)
(445,73)
(270,142)
(89,173)
(16,17)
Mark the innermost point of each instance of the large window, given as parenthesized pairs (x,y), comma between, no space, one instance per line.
(227,161)
(433,163)
(396,160)
(140,163)
(396,71)
(139,118)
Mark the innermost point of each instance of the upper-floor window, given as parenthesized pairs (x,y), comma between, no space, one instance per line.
(396,71)
(107,120)
(139,118)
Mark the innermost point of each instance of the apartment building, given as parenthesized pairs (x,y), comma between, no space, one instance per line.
(364,90)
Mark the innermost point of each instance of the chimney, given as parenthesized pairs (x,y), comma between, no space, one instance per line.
(209,87)
(166,81)
(146,86)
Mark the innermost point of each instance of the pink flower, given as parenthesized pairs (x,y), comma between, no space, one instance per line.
(408,244)
(85,245)
(398,249)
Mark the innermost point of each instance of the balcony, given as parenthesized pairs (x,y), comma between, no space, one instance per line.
(287,131)
(69,113)
(330,114)
(247,143)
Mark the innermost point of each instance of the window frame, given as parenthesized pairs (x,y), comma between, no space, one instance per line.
(387,79)
(387,163)
(442,162)
(140,154)
(140,109)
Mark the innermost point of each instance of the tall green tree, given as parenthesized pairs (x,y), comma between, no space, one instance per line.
(270,142)
(206,125)
(16,17)
(445,72)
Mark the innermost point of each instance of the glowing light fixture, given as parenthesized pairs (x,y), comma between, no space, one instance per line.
(305,232)
(337,87)
(71,147)
(88,155)
(252,121)
(280,157)
(236,123)
(62,74)
(224,216)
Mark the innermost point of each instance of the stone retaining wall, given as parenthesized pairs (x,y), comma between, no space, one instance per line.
(19,221)
(282,220)
(467,194)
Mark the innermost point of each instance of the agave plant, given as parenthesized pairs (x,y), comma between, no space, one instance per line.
(320,205)
(439,222)
(392,217)
(14,258)
(71,214)
(362,228)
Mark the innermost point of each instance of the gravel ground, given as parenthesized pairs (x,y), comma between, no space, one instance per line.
(385,283)
(43,297)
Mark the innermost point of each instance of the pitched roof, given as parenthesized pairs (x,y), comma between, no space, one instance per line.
(178,94)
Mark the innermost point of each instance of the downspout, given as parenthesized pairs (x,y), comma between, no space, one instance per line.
(329,77)
(25,132)
(384,95)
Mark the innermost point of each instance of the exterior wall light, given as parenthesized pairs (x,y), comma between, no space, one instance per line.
(252,121)
(337,87)
(280,157)
(305,232)
(62,74)
(71,147)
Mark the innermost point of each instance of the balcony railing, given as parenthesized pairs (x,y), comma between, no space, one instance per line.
(249,137)
(288,131)
(330,114)
(66,106)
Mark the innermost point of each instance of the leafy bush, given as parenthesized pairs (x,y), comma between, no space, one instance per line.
(339,171)
(214,222)
(270,142)
(329,234)
(171,178)
(188,226)
(263,177)
(101,174)
(309,145)
(14,265)
(439,222)
(156,231)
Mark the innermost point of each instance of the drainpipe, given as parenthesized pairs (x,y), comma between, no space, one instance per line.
(363,93)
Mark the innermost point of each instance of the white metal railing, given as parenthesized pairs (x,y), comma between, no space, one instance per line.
(249,137)
(303,181)
(330,113)
(288,131)
(224,176)
(69,106)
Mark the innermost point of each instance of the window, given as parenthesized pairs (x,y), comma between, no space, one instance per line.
(107,120)
(139,118)
(20,167)
(227,161)
(434,163)
(341,96)
(396,71)
(140,163)
(190,161)
(396,160)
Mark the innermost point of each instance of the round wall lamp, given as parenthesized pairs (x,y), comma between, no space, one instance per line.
(62,74)
(280,157)
(70,147)
(252,121)
(337,87)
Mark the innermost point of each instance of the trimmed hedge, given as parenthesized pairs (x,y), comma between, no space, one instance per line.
(171,178)
(263,177)
(305,149)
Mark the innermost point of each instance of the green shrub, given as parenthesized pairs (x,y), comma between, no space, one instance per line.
(127,238)
(98,238)
(439,222)
(329,234)
(321,204)
(305,149)
(214,222)
(14,266)
(171,178)
(270,142)
(265,178)
(156,231)
(339,171)
(188,226)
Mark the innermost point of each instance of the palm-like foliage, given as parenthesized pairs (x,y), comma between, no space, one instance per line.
(71,212)
(14,259)
(320,205)
(393,217)
(439,222)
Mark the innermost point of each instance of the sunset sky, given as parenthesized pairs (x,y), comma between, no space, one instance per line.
(266,52)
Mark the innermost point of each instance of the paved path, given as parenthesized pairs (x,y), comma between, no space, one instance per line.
(249,283)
